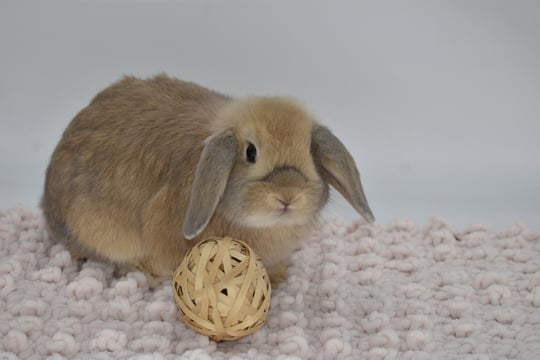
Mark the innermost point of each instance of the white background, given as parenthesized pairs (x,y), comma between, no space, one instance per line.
(439,101)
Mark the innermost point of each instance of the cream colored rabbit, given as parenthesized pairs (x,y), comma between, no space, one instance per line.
(152,166)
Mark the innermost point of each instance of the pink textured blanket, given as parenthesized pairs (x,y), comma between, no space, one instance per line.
(355,292)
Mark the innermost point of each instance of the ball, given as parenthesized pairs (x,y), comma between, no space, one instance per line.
(222,289)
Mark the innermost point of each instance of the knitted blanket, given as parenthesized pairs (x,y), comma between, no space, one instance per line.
(355,291)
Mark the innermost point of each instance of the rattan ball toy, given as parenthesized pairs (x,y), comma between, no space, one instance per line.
(222,289)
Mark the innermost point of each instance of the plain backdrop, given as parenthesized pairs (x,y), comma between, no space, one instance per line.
(438,101)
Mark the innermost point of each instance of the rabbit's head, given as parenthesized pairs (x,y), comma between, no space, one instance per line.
(267,164)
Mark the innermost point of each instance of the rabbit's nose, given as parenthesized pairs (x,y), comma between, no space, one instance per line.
(284,203)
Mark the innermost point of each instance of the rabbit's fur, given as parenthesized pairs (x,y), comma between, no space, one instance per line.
(152,166)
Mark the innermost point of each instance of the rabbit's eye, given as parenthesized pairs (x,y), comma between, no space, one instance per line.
(251,153)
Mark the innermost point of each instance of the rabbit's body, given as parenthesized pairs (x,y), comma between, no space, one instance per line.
(149,165)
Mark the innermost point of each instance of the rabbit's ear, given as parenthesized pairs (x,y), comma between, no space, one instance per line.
(337,167)
(215,166)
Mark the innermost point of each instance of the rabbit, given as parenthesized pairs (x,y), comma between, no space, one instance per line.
(152,166)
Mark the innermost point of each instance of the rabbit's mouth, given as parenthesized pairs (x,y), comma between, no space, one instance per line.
(284,214)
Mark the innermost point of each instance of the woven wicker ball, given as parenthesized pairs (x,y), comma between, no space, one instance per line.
(222,289)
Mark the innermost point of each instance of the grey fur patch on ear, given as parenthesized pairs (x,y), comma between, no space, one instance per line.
(337,167)
(211,177)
